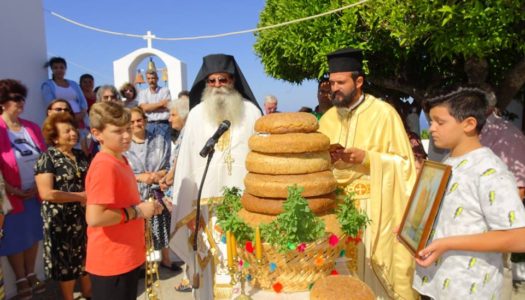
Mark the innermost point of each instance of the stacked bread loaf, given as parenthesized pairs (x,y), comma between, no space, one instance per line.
(288,150)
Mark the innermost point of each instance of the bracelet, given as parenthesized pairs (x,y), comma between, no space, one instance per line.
(138,212)
(122,216)
(127,215)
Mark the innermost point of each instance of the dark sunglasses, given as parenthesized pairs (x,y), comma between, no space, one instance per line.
(59,109)
(220,80)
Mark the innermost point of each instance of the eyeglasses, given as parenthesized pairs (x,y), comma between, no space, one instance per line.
(17,98)
(220,80)
(60,109)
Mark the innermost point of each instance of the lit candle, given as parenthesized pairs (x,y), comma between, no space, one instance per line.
(229,249)
(233,245)
(258,244)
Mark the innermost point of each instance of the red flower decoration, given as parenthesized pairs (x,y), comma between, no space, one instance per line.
(249,247)
(301,247)
(277,287)
(333,240)
(334,272)
(355,240)
(241,262)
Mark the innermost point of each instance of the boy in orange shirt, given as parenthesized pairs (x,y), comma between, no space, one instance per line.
(114,213)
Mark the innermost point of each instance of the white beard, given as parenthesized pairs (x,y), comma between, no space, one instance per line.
(222,103)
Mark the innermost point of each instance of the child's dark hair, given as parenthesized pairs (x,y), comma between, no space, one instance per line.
(462,103)
(55,60)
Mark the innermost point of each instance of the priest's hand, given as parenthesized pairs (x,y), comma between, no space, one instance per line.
(335,152)
(353,156)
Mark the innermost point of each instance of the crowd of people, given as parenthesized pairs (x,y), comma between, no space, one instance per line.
(45,180)
(108,161)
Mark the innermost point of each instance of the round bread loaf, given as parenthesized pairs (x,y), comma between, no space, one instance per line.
(287,123)
(289,143)
(341,287)
(286,164)
(274,206)
(276,186)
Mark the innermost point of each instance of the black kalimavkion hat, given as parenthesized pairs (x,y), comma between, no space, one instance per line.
(345,60)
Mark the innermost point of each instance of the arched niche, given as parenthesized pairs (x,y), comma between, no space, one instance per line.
(125,68)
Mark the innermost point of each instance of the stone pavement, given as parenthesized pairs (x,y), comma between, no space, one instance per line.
(168,281)
(168,292)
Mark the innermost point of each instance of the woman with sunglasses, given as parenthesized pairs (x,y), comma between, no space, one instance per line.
(21,142)
(58,106)
(62,106)
(60,175)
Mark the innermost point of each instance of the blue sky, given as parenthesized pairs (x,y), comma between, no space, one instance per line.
(92,52)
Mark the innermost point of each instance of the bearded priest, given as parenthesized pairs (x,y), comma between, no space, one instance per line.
(375,163)
(220,92)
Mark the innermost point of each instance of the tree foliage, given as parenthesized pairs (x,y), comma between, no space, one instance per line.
(412,47)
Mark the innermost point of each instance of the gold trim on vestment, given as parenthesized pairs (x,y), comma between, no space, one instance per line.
(359,189)
(213,251)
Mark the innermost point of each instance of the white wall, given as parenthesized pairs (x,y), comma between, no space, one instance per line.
(125,68)
(22,57)
(23,50)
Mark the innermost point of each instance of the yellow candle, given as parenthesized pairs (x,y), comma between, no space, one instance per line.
(229,249)
(258,244)
(233,245)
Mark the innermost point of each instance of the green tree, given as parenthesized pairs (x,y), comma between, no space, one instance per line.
(412,47)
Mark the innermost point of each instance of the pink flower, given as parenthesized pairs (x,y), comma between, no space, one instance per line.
(333,240)
(301,247)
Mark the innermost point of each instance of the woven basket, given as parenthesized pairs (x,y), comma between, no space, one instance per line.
(296,271)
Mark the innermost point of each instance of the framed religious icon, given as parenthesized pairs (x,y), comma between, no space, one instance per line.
(423,205)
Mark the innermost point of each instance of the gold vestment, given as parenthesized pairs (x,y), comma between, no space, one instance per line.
(387,175)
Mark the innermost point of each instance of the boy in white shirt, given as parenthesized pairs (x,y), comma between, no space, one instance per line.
(481,215)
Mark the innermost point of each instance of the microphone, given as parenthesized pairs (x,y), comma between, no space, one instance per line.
(225,125)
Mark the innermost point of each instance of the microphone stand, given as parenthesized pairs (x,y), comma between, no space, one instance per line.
(196,278)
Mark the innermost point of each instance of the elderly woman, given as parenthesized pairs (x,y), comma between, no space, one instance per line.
(108,93)
(60,87)
(21,143)
(149,158)
(129,95)
(61,105)
(60,174)
(179,110)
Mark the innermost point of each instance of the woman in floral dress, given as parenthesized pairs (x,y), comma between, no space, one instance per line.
(60,174)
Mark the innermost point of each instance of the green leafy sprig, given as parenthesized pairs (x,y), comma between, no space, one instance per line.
(351,219)
(228,218)
(297,224)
